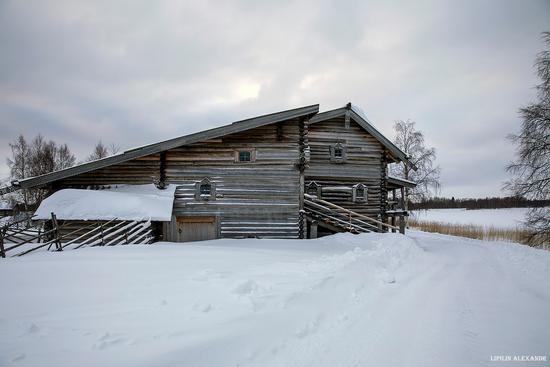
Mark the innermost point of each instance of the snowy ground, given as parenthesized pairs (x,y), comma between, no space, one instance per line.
(345,300)
(499,218)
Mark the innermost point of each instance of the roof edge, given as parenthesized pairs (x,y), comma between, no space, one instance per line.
(398,181)
(368,126)
(235,127)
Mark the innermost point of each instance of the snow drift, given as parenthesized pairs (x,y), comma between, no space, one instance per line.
(344,300)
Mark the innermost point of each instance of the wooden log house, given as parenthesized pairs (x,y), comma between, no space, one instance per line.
(291,174)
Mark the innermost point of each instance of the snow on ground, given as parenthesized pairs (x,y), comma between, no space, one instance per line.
(345,300)
(501,218)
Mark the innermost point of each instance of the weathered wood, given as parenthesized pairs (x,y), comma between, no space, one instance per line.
(169,144)
(402,224)
(313,229)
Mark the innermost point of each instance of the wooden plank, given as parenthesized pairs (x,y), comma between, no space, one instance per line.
(195,219)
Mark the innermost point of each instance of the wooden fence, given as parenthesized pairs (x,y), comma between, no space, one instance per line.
(21,237)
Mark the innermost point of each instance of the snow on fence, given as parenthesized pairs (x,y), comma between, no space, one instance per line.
(51,234)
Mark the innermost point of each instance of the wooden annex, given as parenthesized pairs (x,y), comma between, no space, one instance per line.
(292,174)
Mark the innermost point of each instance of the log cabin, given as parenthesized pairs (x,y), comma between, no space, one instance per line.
(292,174)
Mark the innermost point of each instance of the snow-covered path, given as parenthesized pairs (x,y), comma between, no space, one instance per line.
(345,300)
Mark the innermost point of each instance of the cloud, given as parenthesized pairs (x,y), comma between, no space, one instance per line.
(135,72)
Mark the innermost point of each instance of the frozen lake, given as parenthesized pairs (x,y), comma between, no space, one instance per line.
(502,218)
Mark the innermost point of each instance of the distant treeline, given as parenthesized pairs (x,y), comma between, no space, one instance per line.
(485,203)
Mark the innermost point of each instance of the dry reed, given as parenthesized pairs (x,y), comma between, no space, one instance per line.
(489,233)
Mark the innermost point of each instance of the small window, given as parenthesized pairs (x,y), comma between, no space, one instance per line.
(359,193)
(338,153)
(245,156)
(205,190)
(313,188)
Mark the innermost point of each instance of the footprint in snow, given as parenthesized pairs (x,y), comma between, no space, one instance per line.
(247,287)
(106,340)
(205,308)
(19,357)
(308,329)
(386,277)
(33,328)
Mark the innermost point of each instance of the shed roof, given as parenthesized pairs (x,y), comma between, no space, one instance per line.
(360,118)
(123,202)
(398,182)
(145,150)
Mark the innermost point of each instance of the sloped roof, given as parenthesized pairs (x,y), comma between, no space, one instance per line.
(123,202)
(360,118)
(142,151)
(397,182)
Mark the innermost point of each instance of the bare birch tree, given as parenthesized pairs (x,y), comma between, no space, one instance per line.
(35,159)
(411,141)
(100,151)
(531,170)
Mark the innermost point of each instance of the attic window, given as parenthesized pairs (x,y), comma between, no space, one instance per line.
(205,190)
(359,194)
(245,156)
(313,188)
(338,153)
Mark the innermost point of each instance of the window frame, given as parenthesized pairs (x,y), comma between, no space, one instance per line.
(251,151)
(338,159)
(360,198)
(199,196)
(314,185)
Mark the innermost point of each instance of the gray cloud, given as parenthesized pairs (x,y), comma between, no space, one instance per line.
(137,72)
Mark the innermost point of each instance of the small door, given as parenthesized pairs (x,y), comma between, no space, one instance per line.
(196,228)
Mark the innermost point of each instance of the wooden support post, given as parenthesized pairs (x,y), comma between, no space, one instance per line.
(57,240)
(2,251)
(313,229)
(162,170)
(393,208)
(101,234)
(402,224)
(301,169)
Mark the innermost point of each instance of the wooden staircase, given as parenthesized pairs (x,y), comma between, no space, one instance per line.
(335,218)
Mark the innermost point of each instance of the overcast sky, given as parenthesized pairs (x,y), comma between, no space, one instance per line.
(135,72)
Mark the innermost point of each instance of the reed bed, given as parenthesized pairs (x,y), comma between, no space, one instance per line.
(489,233)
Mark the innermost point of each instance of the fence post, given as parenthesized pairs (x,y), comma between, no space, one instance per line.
(58,246)
(313,229)
(2,252)
(402,224)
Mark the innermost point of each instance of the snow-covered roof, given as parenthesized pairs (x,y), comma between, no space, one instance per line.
(124,202)
(400,182)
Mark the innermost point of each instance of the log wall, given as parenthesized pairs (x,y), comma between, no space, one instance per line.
(364,164)
(259,198)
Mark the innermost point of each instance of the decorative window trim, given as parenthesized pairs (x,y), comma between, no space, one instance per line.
(203,197)
(334,158)
(313,188)
(252,152)
(357,197)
